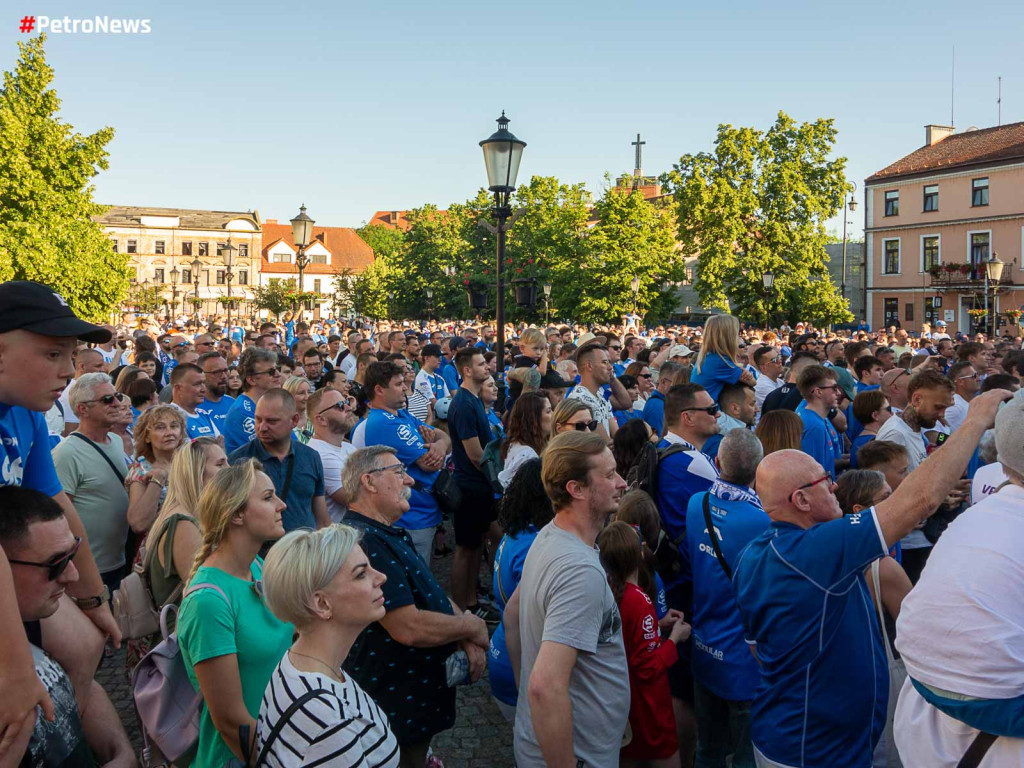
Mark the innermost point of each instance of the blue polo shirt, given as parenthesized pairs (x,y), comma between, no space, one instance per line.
(401,431)
(198,424)
(240,424)
(217,411)
(654,412)
(307,479)
(820,440)
(508,572)
(721,659)
(806,609)
(715,373)
(25,459)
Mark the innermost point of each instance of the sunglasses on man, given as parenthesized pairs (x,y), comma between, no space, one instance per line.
(711,410)
(106,399)
(58,565)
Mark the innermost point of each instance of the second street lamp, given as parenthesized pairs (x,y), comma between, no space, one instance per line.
(174,291)
(768,278)
(852,205)
(547,301)
(993,274)
(229,275)
(502,155)
(197,267)
(302,234)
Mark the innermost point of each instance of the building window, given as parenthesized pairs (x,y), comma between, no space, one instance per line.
(243,251)
(133,246)
(930,252)
(979,191)
(316,286)
(979,252)
(158,275)
(891,260)
(892,202)
(932,307)
(243,277)
(318,258)
(204,249)
(220,277)
(114,243)
(158,247)
(186,276)
(186,247)
(931,198)
(891,312)
(281,258)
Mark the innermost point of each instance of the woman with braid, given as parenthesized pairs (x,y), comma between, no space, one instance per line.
(230,641)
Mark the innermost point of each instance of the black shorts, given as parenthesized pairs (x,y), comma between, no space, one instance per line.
(474,516)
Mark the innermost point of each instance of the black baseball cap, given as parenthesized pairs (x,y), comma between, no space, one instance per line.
(29,306)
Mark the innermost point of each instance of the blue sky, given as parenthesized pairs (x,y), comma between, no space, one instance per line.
(354,107)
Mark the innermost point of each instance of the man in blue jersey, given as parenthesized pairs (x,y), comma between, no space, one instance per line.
(724,671)
(820,389)
(654,408)
(257,368)
(216,402)
(188,389)
(420,448)
(806,609)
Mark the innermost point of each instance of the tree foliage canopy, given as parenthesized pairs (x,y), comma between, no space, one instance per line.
(46,230)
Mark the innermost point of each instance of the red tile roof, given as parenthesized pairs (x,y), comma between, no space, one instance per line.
(391,220)
(987,145)
(348,250)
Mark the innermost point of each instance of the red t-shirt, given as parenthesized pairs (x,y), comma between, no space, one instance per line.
(650,702)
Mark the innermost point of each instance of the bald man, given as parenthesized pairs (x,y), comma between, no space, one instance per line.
(894,387)
(806,609)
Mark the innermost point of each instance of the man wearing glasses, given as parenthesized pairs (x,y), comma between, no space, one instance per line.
(819,387)
(216,402)
(35,535)
(332,418)
(806,609)
(259,373)
(966,383)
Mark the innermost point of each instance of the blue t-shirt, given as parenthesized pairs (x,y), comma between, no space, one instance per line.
(199,424)
(451,377)
(721,659)
(862,440)
(820,440)
(621,417)
(654,412)
(240,424)
(217,411)
(26,451)
(508,572)
(467,419)
(806,608)
(715,373)
(401,431)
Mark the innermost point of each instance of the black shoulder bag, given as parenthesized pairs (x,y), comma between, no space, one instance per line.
(80,436)
(714,538)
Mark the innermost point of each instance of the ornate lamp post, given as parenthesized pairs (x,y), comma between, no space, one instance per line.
(852,205)
(993,274)
(502,154)
(768,278)
(174,291)
(430,302)
(634,286)
(197,267)
(547,301)
(391,304)
(228,252)
(302,233)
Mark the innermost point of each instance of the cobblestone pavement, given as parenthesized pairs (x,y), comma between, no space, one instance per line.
(480,739)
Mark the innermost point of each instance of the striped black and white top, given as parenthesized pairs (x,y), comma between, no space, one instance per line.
(341,727)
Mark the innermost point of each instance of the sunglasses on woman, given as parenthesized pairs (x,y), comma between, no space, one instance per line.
(58,565)
(583,426)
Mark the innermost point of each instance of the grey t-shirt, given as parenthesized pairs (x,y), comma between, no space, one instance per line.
(564,598)
(98,495)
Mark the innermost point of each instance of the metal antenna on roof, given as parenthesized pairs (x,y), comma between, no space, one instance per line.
(999,102)
(952,86)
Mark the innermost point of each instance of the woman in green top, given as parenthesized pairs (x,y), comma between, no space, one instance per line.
(230,641)
(301,389)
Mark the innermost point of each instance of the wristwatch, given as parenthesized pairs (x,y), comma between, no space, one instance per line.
(88,603)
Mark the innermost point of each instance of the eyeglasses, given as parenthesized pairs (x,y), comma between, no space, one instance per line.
(583,426)
(970,376)
(341,405)
(272,371)
(182,344)
(831,386)
(58,565)
(643,376)
(614,349)
(826,478)
(711,410)
(398,469)
(106,399)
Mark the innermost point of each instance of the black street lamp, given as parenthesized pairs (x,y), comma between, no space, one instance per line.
(768,278)
(197,267)
(391,304)
(993,274)
(547,301)
(430,302)
(302,233)
(174,291)
(228,252)
(852,205)
(634,286)
(502,154)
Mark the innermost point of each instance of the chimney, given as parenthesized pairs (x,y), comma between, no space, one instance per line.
(933,134)
(270,221)
(394,217)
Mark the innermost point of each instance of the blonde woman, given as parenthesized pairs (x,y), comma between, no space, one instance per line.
(322,583)
(230,641)
(158,434)
(572,414)
(717,363)
(301,389)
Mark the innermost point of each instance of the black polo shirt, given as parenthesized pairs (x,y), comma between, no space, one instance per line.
(407,683)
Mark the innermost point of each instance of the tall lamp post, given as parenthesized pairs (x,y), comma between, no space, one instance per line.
(852,205)
(302,233)
(174,292)
(768,278)
(547,302)
(502,154)
(229,275)
(391,304)
(197,267)
(993,274)
(430,302)
(634,286)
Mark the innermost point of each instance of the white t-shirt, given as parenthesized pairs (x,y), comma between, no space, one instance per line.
(65,403)
(896,430)
(986,480)
(348,365)
(333,458)
(957,413)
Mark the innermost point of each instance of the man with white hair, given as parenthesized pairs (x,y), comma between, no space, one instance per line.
(806,608)
(960,629)
(91,465)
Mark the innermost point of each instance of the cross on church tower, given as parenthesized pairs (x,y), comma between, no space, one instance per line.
(637,169)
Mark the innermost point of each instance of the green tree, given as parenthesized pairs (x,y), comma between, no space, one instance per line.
(759,203)
(274,297)
(47,232)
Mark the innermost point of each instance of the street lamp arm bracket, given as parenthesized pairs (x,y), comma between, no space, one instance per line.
(485,224)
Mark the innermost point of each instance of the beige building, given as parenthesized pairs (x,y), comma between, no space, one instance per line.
(932,220)
(162,244)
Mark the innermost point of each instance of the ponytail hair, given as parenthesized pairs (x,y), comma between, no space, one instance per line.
(224,496)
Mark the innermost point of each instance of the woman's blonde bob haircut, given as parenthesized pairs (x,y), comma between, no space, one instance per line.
(301,564)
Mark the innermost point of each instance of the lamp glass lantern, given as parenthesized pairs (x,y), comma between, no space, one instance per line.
(302,228)
(430,293)
(634,284)
(197,267)
(502,155)
(769,280)
(547,290)
(228,252)
(174,275)
(994,268)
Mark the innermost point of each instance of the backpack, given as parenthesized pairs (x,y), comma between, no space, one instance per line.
(643,472)
(491,463)
(166,704)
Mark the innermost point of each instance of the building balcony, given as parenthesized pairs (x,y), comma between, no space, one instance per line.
(966,277)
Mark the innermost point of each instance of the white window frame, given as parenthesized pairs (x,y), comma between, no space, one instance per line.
(889,240)
(920,252)
(991,247)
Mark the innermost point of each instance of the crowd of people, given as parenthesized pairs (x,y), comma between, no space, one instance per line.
(669,546)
